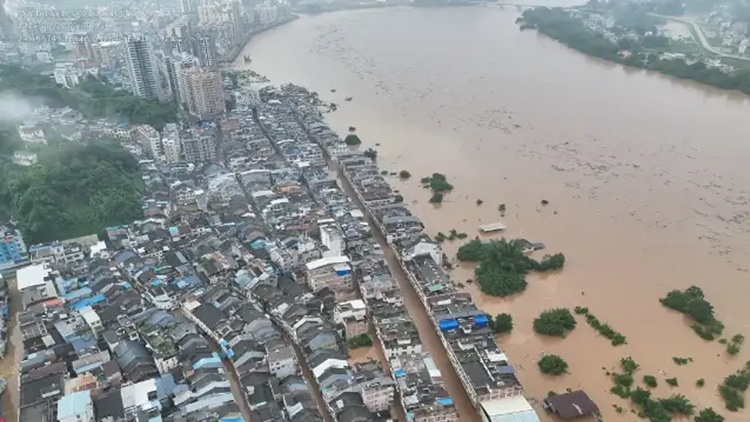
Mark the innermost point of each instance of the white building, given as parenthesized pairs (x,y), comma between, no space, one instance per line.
(353,309)
(32,134)
(92,319)
(331,237)
(76,407)
(24,158)
(333,272)
(67,75)
(144,75)
(171,143)
(282,361)
(149,137)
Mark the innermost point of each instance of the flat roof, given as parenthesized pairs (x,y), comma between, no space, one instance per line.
(322,262)
(73,404)
(32,276)
(516,409)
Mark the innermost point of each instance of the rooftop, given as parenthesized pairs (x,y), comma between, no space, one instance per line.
(73,405)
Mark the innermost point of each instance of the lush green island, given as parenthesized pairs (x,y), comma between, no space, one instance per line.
(503,265)
(627,33)
(93,98)
(72,191)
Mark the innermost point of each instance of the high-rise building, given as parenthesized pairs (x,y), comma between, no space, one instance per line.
(178,35)
(204,47)
(205,93)
(144,74)
(171,143)
(82,47)
(199,148)
(189,7)
(176,66)
(150,138)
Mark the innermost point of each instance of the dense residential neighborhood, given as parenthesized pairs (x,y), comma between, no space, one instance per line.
(243,288)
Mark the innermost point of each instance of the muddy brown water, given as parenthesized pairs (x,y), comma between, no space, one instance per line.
(646,176)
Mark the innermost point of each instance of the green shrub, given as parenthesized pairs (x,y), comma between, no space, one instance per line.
(677,403)
(552,365)
(629,365)
(650,381)
(403,174)
(681,361)
(733,399)
(362,340)
(739,381)
(620,391)
(671,381)
(640,396)
(581,310)
(700,383)
(398,199)
(479,202)
(709,415)
(352,139)
(625,380)
(436,198)
(554,322)
(502,323)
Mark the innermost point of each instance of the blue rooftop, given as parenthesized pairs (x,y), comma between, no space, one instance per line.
(72,405)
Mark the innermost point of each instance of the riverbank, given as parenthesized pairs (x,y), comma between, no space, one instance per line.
(238,49)
(638,208)
(649,53)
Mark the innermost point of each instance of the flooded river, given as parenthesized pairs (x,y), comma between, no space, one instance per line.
(646,176)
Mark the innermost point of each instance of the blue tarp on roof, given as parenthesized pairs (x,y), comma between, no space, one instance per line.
(448,324)
(174,231)
(87,302)
(399,373)
(77,294)
(445,401)
(481,320)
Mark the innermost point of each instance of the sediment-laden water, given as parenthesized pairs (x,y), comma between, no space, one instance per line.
(646,176)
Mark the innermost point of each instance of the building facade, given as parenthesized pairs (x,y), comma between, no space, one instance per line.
(144,75)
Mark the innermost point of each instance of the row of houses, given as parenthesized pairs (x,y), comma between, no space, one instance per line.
(484,370)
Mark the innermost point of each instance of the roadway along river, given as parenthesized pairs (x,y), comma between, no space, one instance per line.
(646,176)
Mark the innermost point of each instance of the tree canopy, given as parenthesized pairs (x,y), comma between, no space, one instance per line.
(643,53)
(74,191)
(503,265)
(93,98)
(552,365)
(555,322)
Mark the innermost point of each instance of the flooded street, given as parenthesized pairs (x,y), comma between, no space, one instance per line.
(646,177)
(11,398)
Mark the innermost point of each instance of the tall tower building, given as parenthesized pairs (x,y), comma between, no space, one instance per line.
(177,65)
(171,143)
(144,74)
(205,49)
(189,7)
(205,93)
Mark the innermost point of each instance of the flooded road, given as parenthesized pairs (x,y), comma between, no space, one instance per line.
(11,398)
(645,176)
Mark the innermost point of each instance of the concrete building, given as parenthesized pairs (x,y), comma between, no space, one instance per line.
(144,75)
(67,75)
(12,247)
(198,148)
(333,272)
(171,143)
(189,7)
(176,66)
(205,93)
(150,139)
(204,47)
(76,407)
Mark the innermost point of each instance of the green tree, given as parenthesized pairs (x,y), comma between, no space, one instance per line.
(502,323)
(554,322)
(398,199)
(709,415)
(352,139)
(677,403)
(404,174)
(650,381)
(362,340)
(552,365)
